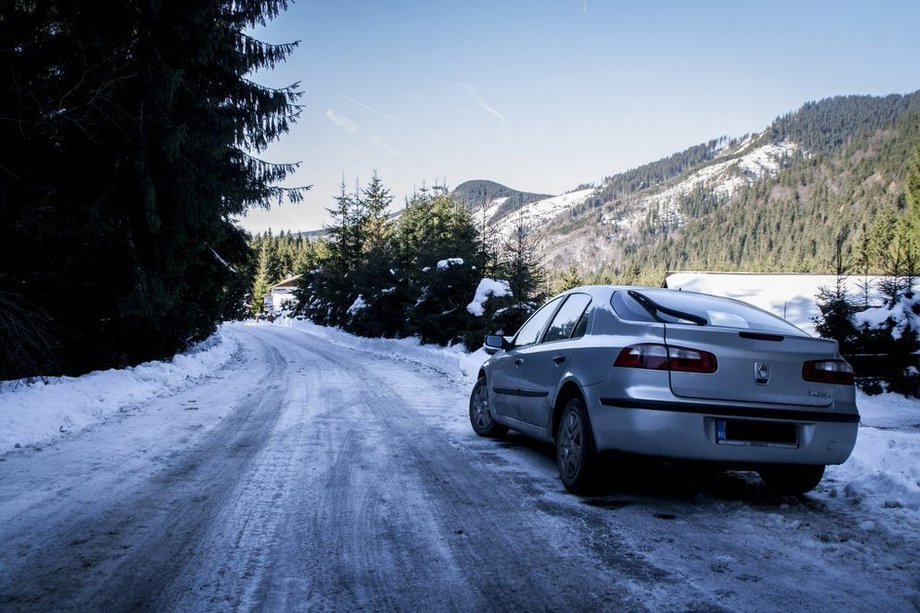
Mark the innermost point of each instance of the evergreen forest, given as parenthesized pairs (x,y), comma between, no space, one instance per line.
(846,180)
(129,138)
(413,275)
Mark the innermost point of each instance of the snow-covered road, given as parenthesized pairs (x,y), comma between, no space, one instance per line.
(306,473)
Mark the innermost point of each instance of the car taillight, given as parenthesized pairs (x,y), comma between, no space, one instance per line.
(666,357)
(646,355)
(837,372)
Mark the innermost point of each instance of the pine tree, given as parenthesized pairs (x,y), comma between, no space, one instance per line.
(910,222)
(570,279)
(863,261)
(521,266)
(434,227)
(376,229)
(129,141)
(376,198)
(487,239)
(261,283)
(436,254)
(836,319)
(386,299)
(912,190)
(355,260)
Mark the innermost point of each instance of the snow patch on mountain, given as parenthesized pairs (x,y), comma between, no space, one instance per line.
(724,178)
(532,216)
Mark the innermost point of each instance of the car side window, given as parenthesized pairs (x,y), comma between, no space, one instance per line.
(568,319)
(530,331)
(581,327)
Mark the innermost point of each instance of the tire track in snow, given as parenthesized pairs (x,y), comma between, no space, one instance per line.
(119,549)
(392,515)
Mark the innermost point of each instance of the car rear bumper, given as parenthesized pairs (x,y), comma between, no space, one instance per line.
(692,431)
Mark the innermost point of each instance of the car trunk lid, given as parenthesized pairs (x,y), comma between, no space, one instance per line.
(752,366)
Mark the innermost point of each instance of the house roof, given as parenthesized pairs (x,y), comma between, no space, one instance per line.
(289,282)
(792,296)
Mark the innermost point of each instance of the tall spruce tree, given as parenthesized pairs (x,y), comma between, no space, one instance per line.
(128,142)
(435,227)
(520,265)
(261,282)
(910,222)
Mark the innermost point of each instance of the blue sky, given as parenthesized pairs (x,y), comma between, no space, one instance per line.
(542,95)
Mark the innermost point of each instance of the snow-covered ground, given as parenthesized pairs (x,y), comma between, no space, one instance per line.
(881,478)
(290,461)
(36,412)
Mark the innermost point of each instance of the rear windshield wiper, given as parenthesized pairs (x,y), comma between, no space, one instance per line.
(654,308)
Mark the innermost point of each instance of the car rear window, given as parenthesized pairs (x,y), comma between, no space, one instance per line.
(695,309)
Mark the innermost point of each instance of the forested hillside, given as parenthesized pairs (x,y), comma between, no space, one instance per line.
(791,222)
(825,126)
(774,201)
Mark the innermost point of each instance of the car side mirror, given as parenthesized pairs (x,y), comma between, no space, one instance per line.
(495,342)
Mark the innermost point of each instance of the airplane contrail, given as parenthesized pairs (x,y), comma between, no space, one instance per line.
(373,110)
(482,103)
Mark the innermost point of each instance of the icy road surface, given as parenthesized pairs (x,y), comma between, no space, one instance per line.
(306,475)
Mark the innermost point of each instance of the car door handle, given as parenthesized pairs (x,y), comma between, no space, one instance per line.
(519,361)
(559,359)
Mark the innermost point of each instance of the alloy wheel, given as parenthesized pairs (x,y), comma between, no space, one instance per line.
(571,444)
(480,406)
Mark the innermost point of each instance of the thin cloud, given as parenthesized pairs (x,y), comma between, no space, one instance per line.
(383,145)
(373,110)
(586,6)
(341,121)
(482,103)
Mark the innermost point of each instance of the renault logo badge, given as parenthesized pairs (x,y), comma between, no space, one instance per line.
(761,373)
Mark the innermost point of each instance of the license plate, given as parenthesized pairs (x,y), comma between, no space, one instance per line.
(753,433)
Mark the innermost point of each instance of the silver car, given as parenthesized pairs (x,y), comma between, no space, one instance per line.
(672,374)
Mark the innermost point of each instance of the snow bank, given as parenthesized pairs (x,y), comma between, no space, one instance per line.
(485,289)
(883,473)
(36,412)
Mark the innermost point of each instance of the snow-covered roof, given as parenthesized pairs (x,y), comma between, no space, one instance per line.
(789,295)
(289,282)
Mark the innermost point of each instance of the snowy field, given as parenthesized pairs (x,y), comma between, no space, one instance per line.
(881,480)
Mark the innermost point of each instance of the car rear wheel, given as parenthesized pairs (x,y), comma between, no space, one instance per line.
(481,415)
(791,479)
(575,453)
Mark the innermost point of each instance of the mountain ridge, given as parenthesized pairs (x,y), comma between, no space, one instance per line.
(479,193)
(811,176)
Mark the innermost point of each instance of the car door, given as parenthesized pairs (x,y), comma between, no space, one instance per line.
(504,381)
(546,362)
(506,369)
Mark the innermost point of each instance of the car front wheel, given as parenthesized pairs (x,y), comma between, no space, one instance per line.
(791,479)
(481,415)
(575,453)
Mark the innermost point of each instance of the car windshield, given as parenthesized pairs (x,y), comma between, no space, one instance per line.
(669,306)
